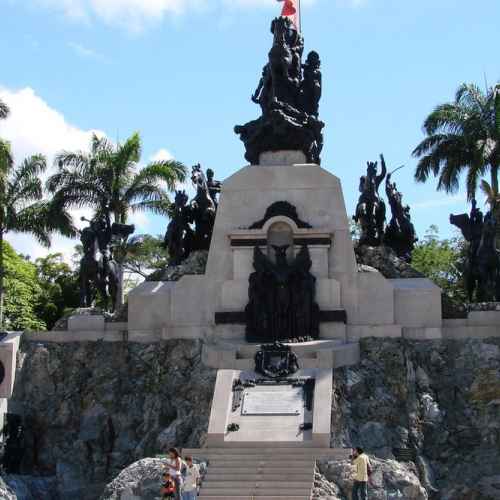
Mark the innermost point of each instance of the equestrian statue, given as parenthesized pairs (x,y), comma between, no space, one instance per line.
(370,210)
(482,267)
(192,223)
(99,270)
(400,234)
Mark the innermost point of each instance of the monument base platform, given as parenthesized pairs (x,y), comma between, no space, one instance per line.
(317,354)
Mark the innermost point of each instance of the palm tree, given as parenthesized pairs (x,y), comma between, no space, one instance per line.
(462,137)
(23,208)
(110,180)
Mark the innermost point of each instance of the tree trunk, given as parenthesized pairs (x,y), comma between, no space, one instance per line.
(119,295)
(494,205)
(2,272)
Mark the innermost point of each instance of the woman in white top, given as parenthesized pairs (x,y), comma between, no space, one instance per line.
(174,467)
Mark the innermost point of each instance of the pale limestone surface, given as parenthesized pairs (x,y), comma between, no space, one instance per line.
(478,324)
(86,323)
(418,307)
(375,306)
(237,354)
(8,355)
(265,429)
(8,352)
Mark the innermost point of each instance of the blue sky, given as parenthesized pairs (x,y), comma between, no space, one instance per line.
(182,71)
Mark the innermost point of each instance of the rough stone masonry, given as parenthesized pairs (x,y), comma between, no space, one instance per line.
(95,408)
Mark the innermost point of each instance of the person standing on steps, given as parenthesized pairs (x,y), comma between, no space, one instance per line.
(363,472)
(191,480)
(174,468)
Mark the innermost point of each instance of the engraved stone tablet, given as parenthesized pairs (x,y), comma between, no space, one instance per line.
(285,401)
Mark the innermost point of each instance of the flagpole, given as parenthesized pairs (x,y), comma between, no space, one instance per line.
(300,17)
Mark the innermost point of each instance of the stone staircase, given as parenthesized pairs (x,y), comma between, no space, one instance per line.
(260,473)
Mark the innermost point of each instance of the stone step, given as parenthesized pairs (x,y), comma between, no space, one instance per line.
(262,458)
(252,492)
(258,485)
(255,463)
(246,475)
(254,497)
(271,471)
(267,451)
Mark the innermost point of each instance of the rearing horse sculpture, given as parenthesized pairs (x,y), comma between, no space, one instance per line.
(482,268)
(202,210)
(370,211)
(101,274)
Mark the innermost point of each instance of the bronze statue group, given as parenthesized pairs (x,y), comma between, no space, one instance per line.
(482,272)
(371,210)
(190,229)
(99,268)
(482,265)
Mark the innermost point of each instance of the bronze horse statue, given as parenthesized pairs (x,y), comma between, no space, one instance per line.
(203,210)
(102,274)
(482,267)
(179,235)
(371,210)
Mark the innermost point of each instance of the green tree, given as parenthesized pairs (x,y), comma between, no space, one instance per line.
(462,137)
(58,288)
(110,180)
(442,261)
(23,208)
(144,254)
(22,291)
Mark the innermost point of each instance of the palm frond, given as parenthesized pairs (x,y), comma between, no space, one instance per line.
(6,159)
(487,190)
(129,153)
(168,172)
(30,169)
(448,118)
(474,173)
(31,219)
(4,110)
(497,111)
(158,207)
(471,97)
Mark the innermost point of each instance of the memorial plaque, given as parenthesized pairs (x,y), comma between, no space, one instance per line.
(285,401)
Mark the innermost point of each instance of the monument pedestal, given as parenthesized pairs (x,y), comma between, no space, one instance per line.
(262,424)
(354,304)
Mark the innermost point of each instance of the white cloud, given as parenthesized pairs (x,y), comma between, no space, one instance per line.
(162,155)
(34,127)
(136,14)
(86,52)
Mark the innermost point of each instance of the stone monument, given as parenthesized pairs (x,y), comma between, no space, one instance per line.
(281,268)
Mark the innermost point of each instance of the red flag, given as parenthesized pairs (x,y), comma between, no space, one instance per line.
(291,9)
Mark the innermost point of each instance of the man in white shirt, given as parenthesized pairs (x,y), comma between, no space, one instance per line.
(192,480)
(363,471)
